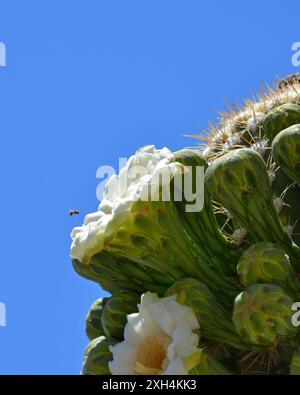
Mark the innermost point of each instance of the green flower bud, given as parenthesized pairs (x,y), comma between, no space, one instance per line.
(265,263)
(286,151)
(281,118)
(93,319)
(262,315)
(114,315)
(97,356)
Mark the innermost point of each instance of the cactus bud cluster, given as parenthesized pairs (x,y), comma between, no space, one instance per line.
(209,291)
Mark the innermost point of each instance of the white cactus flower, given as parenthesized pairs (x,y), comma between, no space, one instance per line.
(141,178)
(157,340)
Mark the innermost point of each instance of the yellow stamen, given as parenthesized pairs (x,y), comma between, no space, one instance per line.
(152,355)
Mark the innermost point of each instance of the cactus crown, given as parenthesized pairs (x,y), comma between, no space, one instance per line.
(256,125)
(243,125)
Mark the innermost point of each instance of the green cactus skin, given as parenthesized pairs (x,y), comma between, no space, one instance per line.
(281,118)
(295,364)
(264,263)
(290,212)
(206,365)
(93,324)
(114,273)
(286,151)
(239,180)
(97,356)
(202,226)
(262,316)
(155,239)
(116,309)
(215,322)
(157,235)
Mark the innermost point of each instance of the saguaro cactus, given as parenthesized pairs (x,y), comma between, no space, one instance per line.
(223,282)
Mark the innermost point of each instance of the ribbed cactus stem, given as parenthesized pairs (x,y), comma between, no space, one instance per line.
(202,226)
(114,273)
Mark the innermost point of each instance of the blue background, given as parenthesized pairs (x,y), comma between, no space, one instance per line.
(88,82)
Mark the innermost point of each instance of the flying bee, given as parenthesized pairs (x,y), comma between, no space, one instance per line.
(73,212)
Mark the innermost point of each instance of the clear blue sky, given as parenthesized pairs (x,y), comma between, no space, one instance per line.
(88,82)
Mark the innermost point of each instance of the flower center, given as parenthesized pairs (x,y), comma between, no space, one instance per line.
(152,355)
